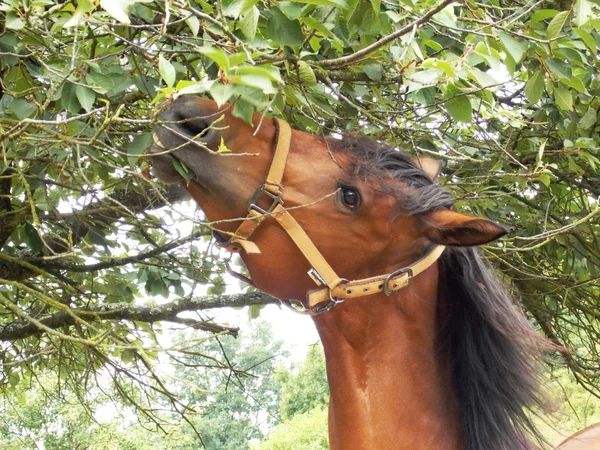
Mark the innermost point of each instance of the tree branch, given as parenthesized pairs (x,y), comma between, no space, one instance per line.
(131,200)
(148,314)
(345,60)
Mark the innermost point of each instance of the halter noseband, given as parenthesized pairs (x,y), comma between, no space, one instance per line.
(332,289)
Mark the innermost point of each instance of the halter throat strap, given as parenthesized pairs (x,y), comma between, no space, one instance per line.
(332,289)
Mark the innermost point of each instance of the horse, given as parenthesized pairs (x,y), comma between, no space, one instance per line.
(424,347)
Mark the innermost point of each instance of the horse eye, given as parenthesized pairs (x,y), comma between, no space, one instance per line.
(350,197)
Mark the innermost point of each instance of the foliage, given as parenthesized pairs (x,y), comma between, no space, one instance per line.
(506,93)
(306,431)
(237,405)
(306,389)
(54,419)
(228,408)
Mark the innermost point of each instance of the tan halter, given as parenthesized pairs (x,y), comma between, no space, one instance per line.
(332,288)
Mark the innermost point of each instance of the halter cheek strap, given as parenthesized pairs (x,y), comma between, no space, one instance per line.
(331,289)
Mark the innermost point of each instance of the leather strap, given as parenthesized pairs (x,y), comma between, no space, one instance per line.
(283,139)
(272,185)
(378,284)
(332,289)
(324,273)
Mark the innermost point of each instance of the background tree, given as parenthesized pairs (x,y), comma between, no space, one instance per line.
(506,93)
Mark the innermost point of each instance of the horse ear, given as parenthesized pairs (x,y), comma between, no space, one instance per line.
(432,167)
(447,227)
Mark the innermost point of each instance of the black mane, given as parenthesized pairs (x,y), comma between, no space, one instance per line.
(494,351)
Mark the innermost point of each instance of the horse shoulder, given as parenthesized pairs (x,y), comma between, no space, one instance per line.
(585,439)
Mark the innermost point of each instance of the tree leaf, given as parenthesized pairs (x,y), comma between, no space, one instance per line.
(534,89)
(186,173)
(588,39)
(166,70)
(583,12)
(458,105)
(13,22)
(249,23)
(243,110)
(117,9)
(373,70)
(556,25)
(217,55)
(516,49)
(563,98)
(542,14)
(376,6)
(589,119)
(86,97)
(306,74)
(194,24)
(283,30)
(558,67)
(99,82)
(343,4)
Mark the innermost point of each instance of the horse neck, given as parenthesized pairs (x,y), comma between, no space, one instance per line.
(390,385)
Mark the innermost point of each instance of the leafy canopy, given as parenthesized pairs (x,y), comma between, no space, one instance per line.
(91,266)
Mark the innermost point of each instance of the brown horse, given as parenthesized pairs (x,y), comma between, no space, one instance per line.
(423,351)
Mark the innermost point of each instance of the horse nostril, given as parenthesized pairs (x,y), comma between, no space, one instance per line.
(195,127)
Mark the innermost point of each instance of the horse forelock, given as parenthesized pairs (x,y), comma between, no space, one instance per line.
(394,172)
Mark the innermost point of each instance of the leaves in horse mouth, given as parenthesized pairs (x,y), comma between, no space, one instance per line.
(183,170)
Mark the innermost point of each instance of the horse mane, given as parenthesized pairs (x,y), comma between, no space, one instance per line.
(494,354)
(493,350)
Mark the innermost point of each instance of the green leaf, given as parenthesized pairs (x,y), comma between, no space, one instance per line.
(243,110)
(542,14)
(583,12)
(86,97)
(117,9)
(588,39)
(313,23)
(589,119)
(556,25)
(446,16)
(575,83)
(221,93)
(249,23)
(558,67)
(332,3)
(376,6)
(166,70)
(69,99)
(194,87)
(306,74)
(516,49)
(534,89)
(283,30)
(373,70)
(138,147)
(99,82)
(482,78)
(187,174)
(458,105)
(13,21)
(445,66)
(222,147)
(217,55)
(563,98)
(371,23)
(194,24)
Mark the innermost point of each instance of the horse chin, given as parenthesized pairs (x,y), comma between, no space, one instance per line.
(162,165)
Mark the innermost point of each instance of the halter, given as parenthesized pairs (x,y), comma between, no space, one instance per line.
(332,289)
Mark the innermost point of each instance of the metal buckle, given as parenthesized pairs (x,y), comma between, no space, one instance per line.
(326,307)
(386,283)
(275,200)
